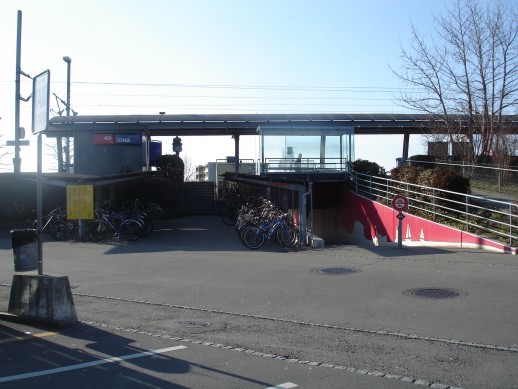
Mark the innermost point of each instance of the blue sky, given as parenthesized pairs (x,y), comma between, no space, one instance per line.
(214,56)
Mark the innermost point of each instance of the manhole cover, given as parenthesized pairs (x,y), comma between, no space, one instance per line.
(334,271)
(434,293)
(192,324)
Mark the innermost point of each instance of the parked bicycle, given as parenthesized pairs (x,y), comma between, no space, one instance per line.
(259,220)
(113,225)
(55,223)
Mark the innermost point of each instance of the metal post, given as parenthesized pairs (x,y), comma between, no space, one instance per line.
(433,203)
(236,152)
(39,206)
(406,143)
(67,141)
(510,224)
(16,160)
(400,231)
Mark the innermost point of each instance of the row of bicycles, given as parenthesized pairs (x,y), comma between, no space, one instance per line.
(127,223)
(258,220)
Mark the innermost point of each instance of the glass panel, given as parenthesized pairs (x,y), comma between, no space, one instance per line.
(306,148)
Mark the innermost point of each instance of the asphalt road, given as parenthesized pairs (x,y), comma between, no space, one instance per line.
(191,307)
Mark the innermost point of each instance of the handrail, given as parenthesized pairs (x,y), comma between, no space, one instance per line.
(304,165)
(495,218)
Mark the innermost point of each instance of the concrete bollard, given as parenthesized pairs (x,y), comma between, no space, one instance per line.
(42,297)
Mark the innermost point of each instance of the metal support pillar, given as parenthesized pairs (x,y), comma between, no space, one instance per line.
(406,142)
(236,151)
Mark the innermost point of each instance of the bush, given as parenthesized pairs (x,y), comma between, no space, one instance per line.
(367,167)
(172,166)
(407,173)
(449,180)
(440,178)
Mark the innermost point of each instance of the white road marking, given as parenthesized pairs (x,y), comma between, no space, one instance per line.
(88,364)
(286,385)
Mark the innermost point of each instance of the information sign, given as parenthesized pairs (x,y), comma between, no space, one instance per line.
(80,202)
(40,102)
(128,139)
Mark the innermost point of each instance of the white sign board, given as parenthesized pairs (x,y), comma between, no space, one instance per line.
(40,102)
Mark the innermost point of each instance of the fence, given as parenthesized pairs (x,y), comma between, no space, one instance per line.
(491,218)
(493,175)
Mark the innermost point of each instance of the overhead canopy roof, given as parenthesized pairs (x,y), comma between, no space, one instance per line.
(244,124)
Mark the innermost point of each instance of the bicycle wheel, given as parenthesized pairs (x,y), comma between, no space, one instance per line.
(253,237)
(146,226)
(155,213)
(288,236)
(130,230)
(97,231)
(59,231)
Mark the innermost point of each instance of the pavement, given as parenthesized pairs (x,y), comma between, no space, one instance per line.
(191,307)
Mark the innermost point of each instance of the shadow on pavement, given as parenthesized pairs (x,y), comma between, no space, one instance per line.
(36,359)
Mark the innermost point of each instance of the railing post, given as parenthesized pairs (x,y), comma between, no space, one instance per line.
(510,225)
(467,214)
(433,203)
(387,183)
(370,186)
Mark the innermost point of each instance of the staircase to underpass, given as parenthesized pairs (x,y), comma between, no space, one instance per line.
(199,198)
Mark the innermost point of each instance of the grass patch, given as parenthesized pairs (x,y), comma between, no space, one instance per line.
(509,189)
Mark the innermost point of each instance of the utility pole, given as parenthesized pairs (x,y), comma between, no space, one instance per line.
(17,160)
(68,60)
(19,132)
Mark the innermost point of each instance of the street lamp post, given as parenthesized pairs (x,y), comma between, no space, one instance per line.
(68,60)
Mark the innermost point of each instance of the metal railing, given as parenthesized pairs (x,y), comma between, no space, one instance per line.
(494,219)
(492,174)
(304,165)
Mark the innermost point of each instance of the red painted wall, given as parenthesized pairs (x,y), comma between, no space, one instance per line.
(379,222)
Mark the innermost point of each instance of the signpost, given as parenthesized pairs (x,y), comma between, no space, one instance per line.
(400,203)
(40,122)
(42,297)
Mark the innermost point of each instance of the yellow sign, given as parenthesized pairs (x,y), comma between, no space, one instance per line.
(80,202)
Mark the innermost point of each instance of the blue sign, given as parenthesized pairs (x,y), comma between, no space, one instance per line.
(128,139)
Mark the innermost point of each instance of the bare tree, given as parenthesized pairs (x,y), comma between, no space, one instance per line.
(467,74)
(52,153)
(3,155)
(189,169)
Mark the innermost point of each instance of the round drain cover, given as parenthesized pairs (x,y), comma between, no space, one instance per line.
(334,271)
(192,324)
(434,293)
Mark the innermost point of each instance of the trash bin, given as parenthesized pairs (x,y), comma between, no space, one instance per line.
(25,249)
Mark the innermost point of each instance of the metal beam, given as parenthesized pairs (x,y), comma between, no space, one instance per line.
(236,124)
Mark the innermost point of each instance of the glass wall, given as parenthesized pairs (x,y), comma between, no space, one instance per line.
(306,148)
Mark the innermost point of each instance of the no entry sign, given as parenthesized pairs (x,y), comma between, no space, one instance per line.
(400,203)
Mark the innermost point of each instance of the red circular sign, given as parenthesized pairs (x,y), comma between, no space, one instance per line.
(400,203)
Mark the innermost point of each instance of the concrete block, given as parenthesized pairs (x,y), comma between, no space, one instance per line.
(316,242)
(42,297)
